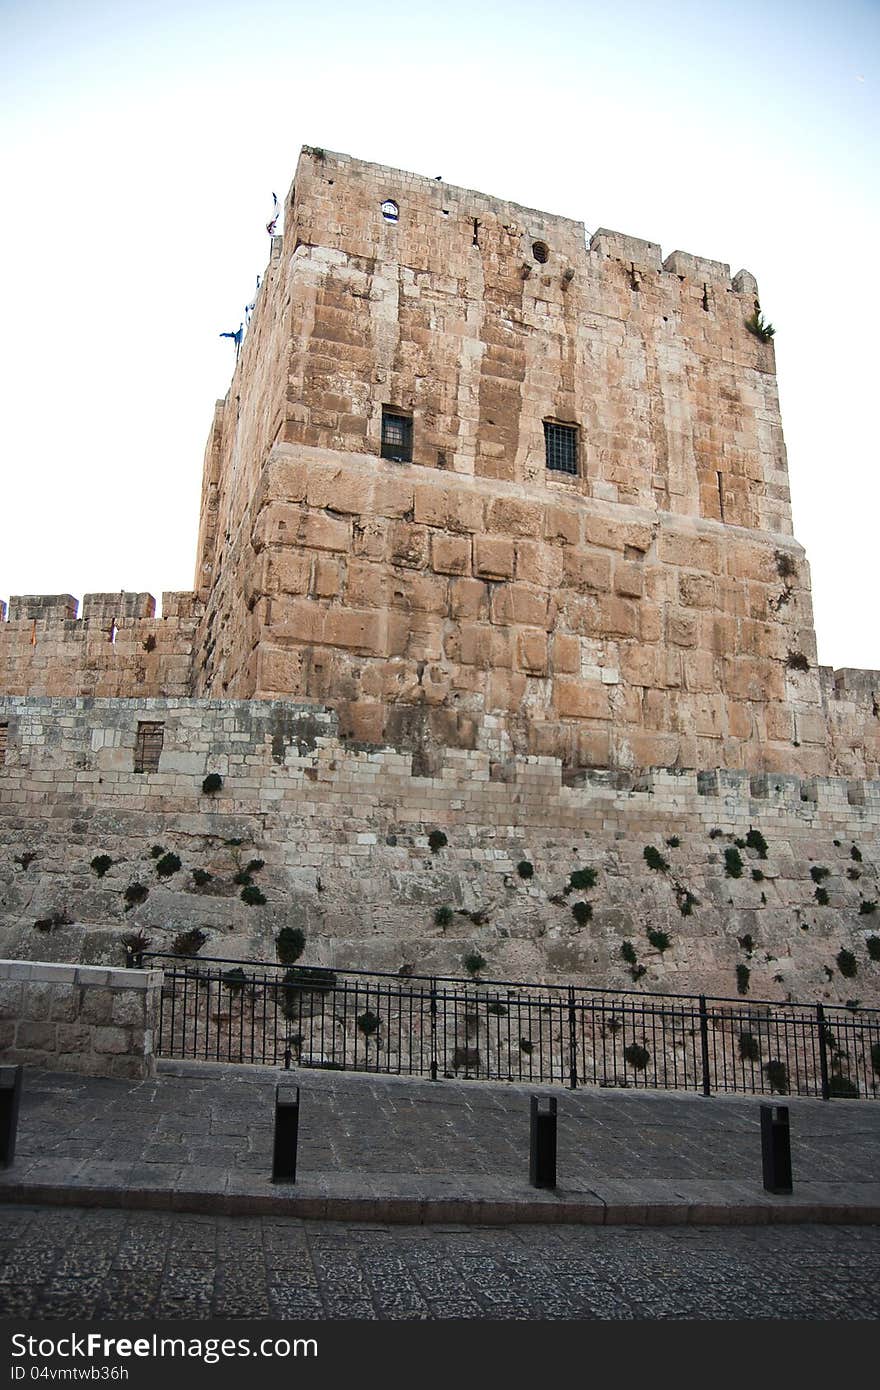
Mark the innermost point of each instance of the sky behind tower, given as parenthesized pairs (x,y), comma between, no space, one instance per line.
(141,141)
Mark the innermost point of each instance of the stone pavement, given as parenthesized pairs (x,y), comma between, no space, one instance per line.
(198,1138)
(89,1264)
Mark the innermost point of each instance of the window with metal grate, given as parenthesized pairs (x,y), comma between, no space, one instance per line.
(561,444)
(396,436)
(4,735)
(148,746)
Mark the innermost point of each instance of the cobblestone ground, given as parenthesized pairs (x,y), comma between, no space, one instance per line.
(78,1263)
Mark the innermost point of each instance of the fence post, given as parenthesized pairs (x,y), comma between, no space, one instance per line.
(572,1043)
(433,1030)
(704,1044)
(10,1099)
(542,1143)
(775,1148)
(823,1052)
(286,1136)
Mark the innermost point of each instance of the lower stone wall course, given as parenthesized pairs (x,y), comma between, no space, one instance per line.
(348,857)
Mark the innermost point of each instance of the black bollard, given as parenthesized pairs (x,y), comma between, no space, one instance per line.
(286,1134)
(542,1144)
(776,1148)
(10,1098)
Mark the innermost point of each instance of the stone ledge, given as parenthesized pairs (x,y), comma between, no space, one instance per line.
(44,972)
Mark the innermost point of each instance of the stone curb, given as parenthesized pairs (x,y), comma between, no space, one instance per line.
(553,1208)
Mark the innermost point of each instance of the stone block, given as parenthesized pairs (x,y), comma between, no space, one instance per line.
(430,505)
(586,570)
(475,645)
(644,666)
(532,653)
(111,1040)
(465,511)
(561,525)
(566,653)
(579,699)
(618,617)
(392,497)
(10,998)
(408,545)
(451,554)
(366,585)
(538,563)
(283,479)
(35,1037)
(322,532)
(468,599)
(327,579)
(696,591)
(365,721)
(682,628)
(629,580)
(340,489)
(357,631)
(73,1037)
(520,604)
(286,572)
(514,516)
(65,1003)
(128,1007)
(493,557)
(420,593)
(506,690)
(96,1005)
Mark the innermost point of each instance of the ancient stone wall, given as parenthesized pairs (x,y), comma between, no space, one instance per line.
(79,1018)
(384,868)
(117,647)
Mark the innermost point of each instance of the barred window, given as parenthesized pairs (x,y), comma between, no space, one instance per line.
(4,734)
(561,444)
(148,746)
(396,436)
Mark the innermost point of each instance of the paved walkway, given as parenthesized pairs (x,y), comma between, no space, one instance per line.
(198,1138)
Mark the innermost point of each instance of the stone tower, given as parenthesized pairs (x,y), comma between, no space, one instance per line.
(480,483)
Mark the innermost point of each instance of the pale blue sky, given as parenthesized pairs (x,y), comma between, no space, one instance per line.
(141,142)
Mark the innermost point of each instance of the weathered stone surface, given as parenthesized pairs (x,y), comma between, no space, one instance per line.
(376,646)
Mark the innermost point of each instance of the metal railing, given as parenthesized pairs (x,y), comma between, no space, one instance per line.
(441,1027)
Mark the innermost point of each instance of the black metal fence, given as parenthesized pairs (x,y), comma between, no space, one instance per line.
(440,1027)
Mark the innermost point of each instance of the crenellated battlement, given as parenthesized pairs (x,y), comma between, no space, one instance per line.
(115,647)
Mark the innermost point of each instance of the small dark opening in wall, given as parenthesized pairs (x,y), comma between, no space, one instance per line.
(4,735)
(541,252)
(720,495)
(148,746)
(396,436)
(476,241)
(561,447)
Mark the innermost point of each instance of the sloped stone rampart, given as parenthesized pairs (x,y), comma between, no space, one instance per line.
(360,850)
